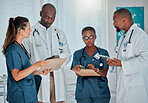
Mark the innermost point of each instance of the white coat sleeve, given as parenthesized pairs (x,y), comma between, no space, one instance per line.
(140,59)
(66,51)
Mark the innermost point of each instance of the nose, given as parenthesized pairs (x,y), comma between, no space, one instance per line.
(88,39)
(114,23)
(50,20)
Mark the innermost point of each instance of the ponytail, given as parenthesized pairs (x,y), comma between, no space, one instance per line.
(10,35)
(14,24)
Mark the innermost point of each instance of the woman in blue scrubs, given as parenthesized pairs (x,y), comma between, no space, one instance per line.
(91,89)
(21,86)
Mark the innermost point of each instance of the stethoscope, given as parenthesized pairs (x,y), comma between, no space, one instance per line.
(60,43)
(100,64)
(125,44)
(22,46)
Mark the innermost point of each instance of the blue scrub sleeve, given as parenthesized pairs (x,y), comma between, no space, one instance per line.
(13,60)
(75,61)
(104,61)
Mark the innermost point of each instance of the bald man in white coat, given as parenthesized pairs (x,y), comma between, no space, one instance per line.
(132,60)
(46,41)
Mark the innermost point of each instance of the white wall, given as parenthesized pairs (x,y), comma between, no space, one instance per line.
(112,4)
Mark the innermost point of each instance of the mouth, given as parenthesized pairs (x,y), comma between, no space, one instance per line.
(48,24)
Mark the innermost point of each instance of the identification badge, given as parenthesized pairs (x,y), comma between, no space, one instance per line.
(97,56)
(60,44)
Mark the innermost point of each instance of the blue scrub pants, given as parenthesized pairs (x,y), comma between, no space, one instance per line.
(93,100)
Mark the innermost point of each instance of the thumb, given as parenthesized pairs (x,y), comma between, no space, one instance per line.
(47,61)
(115,59)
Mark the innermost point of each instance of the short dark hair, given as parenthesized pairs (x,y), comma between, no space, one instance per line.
(124,13)
(88,28)
(47,5)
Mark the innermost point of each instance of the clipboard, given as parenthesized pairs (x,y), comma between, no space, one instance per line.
(87,72)
(55,64)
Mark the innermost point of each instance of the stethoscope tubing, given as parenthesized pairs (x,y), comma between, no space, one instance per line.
(129,41)
(85,58)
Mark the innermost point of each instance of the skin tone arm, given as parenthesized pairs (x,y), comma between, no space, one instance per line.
(44,72)
(20,74)
(102,72)
(114,62)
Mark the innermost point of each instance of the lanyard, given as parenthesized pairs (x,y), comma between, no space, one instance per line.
(26,52)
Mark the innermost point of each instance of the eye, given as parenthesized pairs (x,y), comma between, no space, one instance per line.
(91,37)
(85,38)
(53,18)
(47,17)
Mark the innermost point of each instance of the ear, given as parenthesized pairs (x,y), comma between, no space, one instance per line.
(95,36)
(124,20)
(21,31)
(40,13)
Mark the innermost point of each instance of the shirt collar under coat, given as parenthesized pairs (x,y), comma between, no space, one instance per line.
(130,30)
(42,28)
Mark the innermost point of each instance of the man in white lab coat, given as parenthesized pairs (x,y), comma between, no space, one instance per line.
(132,60)
(46,41)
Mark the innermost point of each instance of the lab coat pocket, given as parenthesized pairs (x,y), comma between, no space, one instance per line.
(128,51)
(39,42)
(134,79)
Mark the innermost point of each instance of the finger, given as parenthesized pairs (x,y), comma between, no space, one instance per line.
(78,69)
(115,59)
(110,63)
(47,61)
(89,67)
(73,69)
(107,60)
(50,69)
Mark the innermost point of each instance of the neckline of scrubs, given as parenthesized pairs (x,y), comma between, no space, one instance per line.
(92,55)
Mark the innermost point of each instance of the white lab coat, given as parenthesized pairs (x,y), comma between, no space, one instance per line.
(40,48)
(132,83)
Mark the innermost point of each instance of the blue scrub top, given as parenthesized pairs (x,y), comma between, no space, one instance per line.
(91,86)
(24,90)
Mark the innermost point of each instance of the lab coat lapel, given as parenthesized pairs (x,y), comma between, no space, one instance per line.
(124,41)
(41,29)
(55,42)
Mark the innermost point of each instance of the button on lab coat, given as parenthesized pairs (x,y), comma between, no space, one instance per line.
(132,84)
(43,44)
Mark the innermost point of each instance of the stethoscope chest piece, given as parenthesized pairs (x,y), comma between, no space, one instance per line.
(101,64)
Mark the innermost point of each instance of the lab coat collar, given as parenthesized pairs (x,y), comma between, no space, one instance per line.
(43,27)
(130,30)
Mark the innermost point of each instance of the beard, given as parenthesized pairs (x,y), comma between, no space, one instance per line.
(117,29)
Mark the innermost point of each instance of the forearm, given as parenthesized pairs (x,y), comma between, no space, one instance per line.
(18,75)
(36,72)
